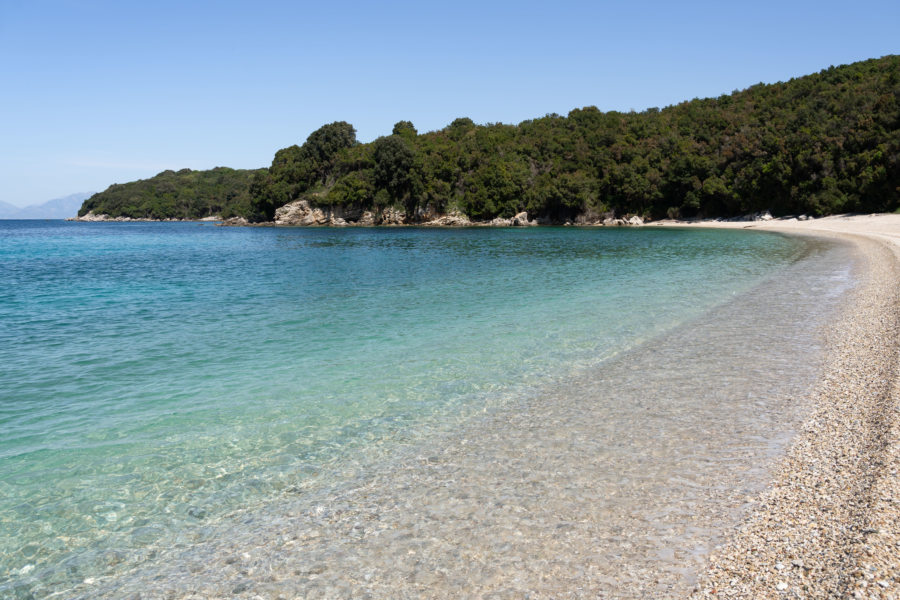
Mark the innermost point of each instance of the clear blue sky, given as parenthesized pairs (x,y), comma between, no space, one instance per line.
(100,92)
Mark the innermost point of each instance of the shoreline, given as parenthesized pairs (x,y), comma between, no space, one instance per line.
(828,524)
(558,494)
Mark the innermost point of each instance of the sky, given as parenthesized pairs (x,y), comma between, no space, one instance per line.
(100,92)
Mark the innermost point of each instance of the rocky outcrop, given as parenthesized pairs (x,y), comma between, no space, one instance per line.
(90,217)
(392,216)
(454,219)
(303,214)
(591,219)
(367,219)
(520,220)
(299,212)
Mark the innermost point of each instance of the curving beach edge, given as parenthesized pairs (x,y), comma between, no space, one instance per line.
(828,525)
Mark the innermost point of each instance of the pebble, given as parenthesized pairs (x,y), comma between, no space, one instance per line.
(830,501)
(829,512)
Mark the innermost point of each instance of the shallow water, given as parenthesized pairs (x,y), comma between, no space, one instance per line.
(392,412)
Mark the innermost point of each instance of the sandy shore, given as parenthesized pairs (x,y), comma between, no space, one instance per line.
(829,525)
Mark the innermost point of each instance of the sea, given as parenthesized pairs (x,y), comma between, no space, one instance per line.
(247,412)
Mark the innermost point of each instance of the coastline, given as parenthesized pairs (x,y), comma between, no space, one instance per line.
(575,490)
(828,525)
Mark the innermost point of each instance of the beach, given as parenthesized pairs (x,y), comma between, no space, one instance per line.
(613,482)
(829,523)
(732,441)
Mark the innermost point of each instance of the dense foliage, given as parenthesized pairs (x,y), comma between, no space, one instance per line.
(820,144)
(184,194)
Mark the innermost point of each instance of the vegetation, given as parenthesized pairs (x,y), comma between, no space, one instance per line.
(820,144)
(184,194)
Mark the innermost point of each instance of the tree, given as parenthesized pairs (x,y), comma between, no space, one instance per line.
(323,145)
(406,130)
(397,171)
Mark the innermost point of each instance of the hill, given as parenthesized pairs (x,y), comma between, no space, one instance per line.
(820,144)
(184,194)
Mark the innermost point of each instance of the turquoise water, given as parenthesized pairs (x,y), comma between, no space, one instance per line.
(156,376)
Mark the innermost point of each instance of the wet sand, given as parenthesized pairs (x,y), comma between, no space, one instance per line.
(828,526)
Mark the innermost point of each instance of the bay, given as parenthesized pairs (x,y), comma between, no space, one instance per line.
(158,377)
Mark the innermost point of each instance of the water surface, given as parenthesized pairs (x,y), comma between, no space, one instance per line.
(177,394)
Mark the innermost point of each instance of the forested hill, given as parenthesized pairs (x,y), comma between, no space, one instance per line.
(184,194)
(819,144)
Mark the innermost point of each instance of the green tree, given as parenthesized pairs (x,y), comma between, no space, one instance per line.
(406,130)
(397,171)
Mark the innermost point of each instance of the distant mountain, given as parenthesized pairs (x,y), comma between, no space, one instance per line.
(7,210)
(58,208)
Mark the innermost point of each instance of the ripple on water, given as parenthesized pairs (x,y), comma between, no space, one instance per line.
(424,409)
(615,481)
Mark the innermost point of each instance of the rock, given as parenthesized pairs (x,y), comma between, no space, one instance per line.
(235,222)
(521,220)
(242,586)
(425,214)
(316,217)
(500,222)
(197,512)
(367,219)
(293,213)
(611,222)
(91,217)
(299,212)
(392,216)
(454,219)
(635,221)
(764,216)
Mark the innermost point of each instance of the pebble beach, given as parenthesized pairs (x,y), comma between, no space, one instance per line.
(828,526)
(749,451)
